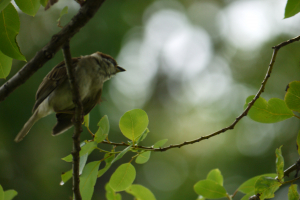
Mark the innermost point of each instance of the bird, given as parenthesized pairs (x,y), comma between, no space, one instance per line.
(54,93)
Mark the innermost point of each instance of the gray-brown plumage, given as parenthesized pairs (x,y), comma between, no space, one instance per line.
(54,93)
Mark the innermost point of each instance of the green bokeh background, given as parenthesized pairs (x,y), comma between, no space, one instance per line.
(169,96)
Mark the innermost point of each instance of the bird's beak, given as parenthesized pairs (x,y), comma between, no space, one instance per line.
(120,69)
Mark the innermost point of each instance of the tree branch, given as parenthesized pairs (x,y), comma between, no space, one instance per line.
(86,12)
(250,104)
(76,119)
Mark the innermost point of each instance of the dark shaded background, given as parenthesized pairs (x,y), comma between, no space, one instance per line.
(190,65)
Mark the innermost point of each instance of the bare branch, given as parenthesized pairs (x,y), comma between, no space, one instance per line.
(76,119)
(261,90)
(86,12)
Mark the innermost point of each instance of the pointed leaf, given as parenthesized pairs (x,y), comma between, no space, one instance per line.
(210,189)
(87,148)
(249,185)
(5,65)
(143,136)
(65,177)
(120,155)
(160,143)
(293,193)
(103,129)
(292,96)
(1,193)
(266,187)
(10,194)
(133,123)
(123,177)
(110,193)
(292,8)
(215,175)
(29,7)
(108,160)
(140,192)
(279,164)
(143,157)
(82,162)
(3,4)
(86,120)
(275,110)
(63,12)
(44,2)
(88,180)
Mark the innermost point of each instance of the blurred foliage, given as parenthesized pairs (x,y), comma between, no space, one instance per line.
(176,109)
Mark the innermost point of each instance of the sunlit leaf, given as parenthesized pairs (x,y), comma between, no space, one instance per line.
(103,129)
(123,177)
(292,8)
(160,143)
(1,193)
(30,7)
(87,148)
(5,65)
(215,175)
(143,136)
(10,194)
(279,164)
(109,158)
(140,192)
(266,187)
(249,185)
(143,157)
(9,29)
(246,197)
(111,194)
(210,189)
(274,110)
(86,120)
(292,96)
(66,176)
(120,155)
(3,4)
(133,123)
(88,180)
(293,193)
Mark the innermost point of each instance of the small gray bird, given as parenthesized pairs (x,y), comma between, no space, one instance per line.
(54,93)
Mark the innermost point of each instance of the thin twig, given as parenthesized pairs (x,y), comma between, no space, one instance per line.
(244,113)
(77,119)
(86,12)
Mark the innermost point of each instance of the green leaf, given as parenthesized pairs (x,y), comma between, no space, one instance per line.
(298,142)
(82,162)
(63,12)
(44,2)
(29,7)
(143,157)
(103,129)
(3,4)
(88,180)
(143,136)
(123,177)
(266,187)
(1,193)
(292,96)
(292,8)
(65,176)
(86,120)
(133,123)
(210,189)
(249,185)
(140,192)
(279,164)
(120,155)
(87,148)
(5,65)
(160,143)
(110,193)
(109,158)
(293,193)
(268,112)
(246,197)
(215,175)
(10,194)
(9,29)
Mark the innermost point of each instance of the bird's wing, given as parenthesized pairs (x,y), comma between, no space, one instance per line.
(90,103)
(53,79)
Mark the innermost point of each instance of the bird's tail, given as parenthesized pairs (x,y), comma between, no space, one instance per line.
(26,128)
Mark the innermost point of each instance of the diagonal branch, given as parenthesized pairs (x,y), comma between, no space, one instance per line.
(244,113)
(76,119)
(86,12)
